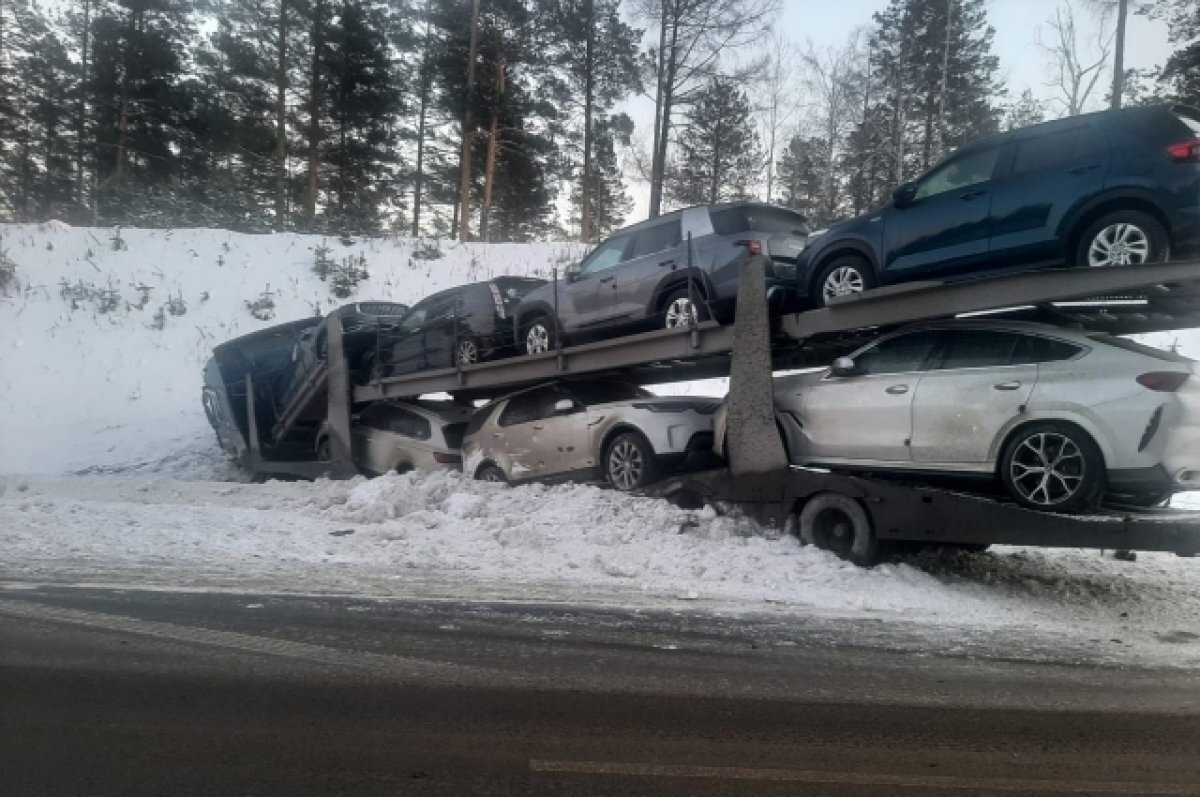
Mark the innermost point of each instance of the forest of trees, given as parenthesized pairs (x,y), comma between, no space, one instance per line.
(493,119)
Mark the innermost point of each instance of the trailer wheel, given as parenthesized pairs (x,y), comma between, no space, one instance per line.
(837,523)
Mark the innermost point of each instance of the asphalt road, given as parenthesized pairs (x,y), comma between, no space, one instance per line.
(132,693)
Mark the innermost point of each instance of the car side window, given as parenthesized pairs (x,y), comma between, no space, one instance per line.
(1036,349)
(654,239)
(964,171)
(1057,149)
(408,424)
(523,408)
(976,348)
(896,355)
(549,397)
(606,255)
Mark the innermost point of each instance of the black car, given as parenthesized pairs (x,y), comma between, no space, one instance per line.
(459,326)
(1118,187)
(665,272)
(361,324)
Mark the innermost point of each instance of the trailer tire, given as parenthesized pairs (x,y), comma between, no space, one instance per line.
(839,524)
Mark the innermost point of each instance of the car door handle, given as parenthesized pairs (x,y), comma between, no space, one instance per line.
(967,197)
(666,263)
(538,428)
(606,279)
(897,390)
(1007,386)
(1087,167)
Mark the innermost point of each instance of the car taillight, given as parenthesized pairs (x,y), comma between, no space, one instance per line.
(1163,381)
(1185,151)
(752,245)
(447,459)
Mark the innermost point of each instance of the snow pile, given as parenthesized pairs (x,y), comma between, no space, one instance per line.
(440,535)
(103,339)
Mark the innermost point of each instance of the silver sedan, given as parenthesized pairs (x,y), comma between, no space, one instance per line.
(404,435)
(1060,416)
(580,429)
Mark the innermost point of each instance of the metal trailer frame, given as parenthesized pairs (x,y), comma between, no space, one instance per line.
(758,479)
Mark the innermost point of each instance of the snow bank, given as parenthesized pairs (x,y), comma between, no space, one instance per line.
(442,535)
(87,377)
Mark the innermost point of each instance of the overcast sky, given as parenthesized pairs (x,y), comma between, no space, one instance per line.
(1023,65)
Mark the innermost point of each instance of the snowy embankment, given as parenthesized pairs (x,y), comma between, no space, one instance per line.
(110,474)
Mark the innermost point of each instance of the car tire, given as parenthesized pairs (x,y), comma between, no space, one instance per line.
(629,462)
(1075,480)
(675,308)
(538,335)
(842,276)
(466,352)
(1122,238)
(840,525)
(491,473)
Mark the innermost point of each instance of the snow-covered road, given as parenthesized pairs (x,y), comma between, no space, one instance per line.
(178,525)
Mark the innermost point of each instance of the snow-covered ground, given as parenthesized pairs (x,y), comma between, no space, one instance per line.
(110,474)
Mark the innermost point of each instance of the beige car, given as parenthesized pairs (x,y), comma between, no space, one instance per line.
(587,429)
(399,436)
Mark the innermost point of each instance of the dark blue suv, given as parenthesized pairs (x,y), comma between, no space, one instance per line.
(1119,187)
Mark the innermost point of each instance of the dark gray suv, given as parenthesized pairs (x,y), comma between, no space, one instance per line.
(644,276)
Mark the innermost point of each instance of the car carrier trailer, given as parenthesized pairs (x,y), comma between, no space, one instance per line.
(858,517)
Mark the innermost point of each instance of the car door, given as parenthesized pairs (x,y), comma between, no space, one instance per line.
(868,416)
(1049,175)
(976,384)
(945,226)
(403,344)
(539,439)
(588,299)
(656,252)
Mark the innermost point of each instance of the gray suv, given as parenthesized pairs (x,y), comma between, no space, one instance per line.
(644,277)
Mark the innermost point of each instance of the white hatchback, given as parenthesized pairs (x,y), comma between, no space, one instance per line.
(1060,416)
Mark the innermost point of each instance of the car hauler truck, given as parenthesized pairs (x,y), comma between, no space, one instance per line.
(859,517)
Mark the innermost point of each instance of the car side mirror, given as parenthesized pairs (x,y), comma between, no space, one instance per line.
(563,406)
(844,366)
(904,194)
(572,272)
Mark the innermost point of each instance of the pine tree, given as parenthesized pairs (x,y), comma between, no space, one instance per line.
(1181,73)
(363,102)
(931,88)
(598,52)
(138,100)
(1027,110)
(719,154)
(607,198)
(800,180)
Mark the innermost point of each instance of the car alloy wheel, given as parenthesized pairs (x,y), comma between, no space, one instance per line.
(843,281)
(468,352)
(1047,469)
(537,339)
(1120,244)
(492,473)
(680,313)
(626,464)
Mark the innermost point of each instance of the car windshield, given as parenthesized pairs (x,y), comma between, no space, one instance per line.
(605,392)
